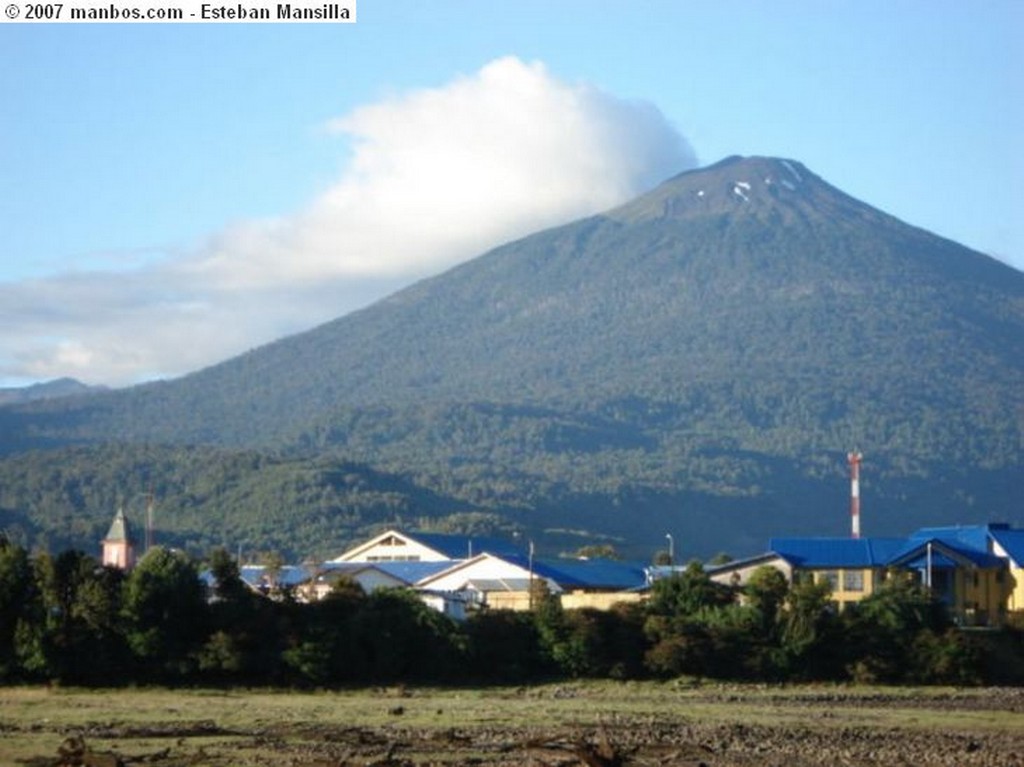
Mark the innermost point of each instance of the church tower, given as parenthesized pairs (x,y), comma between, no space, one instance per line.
(118,547)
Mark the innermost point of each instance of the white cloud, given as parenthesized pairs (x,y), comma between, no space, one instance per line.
(436,176)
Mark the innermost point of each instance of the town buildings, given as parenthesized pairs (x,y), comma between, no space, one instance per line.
(977,571)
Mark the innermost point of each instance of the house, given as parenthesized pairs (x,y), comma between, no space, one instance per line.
(310,583)
(973,570)
(1008,544)
(456,574)
(396,546)
(119,544)
(738,571)
(968,578)
(488,580)
(852,567)
(514,581)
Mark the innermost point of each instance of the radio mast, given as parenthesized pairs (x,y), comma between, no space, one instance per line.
(854,460)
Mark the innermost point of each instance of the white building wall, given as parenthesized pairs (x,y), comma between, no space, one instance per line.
(391,547)
(484,567)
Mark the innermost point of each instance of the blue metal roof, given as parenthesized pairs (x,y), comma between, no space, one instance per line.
(1012,542)
(920,560)
(414,572)
(603,573)
(974,536)
(287,575)
(465,546)
(915,553)
(585,573)
(950,546)
(836,552)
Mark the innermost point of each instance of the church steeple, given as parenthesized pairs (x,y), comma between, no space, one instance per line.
(118,546)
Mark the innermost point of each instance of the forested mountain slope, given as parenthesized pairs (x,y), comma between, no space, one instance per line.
(698,360)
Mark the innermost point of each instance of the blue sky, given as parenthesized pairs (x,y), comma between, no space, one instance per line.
(175,194)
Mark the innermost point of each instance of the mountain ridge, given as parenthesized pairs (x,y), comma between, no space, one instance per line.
(58,387)
(681,351)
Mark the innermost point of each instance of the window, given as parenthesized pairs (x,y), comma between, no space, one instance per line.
(831,577)
(393,558)
(853,580)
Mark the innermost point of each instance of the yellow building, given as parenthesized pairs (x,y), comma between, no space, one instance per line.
(975,570)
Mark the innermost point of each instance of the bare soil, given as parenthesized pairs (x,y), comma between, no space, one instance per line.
(553,726)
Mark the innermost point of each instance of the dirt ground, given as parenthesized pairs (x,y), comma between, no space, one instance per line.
(564,727)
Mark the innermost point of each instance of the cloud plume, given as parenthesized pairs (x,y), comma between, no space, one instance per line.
(435,176)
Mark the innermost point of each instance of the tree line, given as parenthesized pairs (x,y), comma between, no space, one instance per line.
(67,619)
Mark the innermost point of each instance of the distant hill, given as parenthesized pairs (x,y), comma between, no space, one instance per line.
(204,497)
(60,387)
(696,362)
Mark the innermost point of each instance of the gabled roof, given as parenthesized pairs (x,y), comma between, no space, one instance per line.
(119,530)
(460,565)
(980,537)
(725,567)
(566,574)
(1010,541)
(920,553)
(451,547)
(939,546)
(836,552)
(974,536)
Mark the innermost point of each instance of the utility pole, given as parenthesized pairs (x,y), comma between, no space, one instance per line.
(530,586)
(150,500)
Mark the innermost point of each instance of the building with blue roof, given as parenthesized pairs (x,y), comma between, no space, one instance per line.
(512,581)
(452,572)
(977,571)
(397,546)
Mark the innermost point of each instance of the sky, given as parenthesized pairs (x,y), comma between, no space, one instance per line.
(174,195)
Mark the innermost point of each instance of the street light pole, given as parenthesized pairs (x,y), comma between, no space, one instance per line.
(671,551)
(529,596)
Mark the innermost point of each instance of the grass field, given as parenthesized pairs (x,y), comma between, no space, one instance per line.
(594,723)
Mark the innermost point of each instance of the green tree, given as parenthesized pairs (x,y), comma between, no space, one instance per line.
(680,646)
(584,643)
(19,607)
(597,551)
(504,646)
(884,626)
(766,592)
(166,614)
(245,639)
(810,631)
(685,593)
(82,638)
(396,637)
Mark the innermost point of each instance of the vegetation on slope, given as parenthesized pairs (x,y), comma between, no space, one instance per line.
(205,497)
(696,353)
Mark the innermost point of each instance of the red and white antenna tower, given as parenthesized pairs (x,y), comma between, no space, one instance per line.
(854,459)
